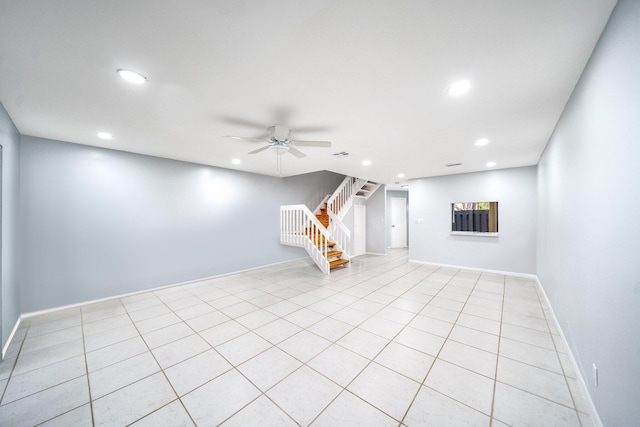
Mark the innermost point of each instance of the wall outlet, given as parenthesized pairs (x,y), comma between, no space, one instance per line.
(595,374)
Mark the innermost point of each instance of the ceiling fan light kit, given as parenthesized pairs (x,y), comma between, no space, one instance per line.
(278,140)
(279,133)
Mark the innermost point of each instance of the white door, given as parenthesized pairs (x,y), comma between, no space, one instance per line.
(398,219)
(359,230)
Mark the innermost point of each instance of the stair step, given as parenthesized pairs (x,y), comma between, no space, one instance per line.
(322,242)
(334,254)
(324,219)
(329,244)
(338,263)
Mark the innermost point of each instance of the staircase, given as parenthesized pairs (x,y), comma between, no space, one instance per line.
(322,232)
(334,256)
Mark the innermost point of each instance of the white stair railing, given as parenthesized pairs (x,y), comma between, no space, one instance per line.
(340,234)
(342,199)
(320,206)
(300,227)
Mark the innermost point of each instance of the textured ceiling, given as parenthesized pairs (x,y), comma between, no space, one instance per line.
(370,76)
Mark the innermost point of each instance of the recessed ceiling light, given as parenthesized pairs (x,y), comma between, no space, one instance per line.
(400,175)
(104,135)
(236,161)
(491,164)
(132,76)
(459,88)
(366,163)
(482,141)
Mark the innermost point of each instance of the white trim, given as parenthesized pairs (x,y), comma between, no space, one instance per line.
(474,233)
(486,270)
(322,203)
(580,378)
(158,288)
(374,253)
(357,237)
(13,332)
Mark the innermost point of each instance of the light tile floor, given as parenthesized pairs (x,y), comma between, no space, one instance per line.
(383,343)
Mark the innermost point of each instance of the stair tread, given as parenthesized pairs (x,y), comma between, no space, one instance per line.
(333,254)
(338,262)
(331,244)
(322,241)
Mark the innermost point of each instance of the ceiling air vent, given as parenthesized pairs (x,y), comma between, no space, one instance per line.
(341,154)
(450,165)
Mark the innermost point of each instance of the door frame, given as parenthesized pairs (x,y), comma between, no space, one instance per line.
(404,219)
(362,229)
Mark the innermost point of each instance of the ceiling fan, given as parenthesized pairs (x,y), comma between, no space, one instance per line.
(278,141)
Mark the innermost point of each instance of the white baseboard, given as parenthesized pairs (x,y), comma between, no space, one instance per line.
(484,270)
(13,332)
(580,378)
(158,288)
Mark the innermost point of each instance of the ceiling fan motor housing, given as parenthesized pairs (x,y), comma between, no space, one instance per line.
(279,133)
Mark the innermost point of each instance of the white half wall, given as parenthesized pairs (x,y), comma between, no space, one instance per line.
(514,250)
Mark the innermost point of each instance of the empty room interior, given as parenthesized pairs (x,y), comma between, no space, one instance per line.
(383,213)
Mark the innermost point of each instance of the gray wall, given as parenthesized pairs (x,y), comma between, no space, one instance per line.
(589,231)
(397,194)
(98,223)
(513,250)
(10,141)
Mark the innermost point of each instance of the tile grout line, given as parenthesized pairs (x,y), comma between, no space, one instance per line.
(11,375)
(234,367)
(55,385)
(370,361)
(86,366)
(495,379)
(422,384)
(13,367)
(360,291)
(161,370)
(555,346)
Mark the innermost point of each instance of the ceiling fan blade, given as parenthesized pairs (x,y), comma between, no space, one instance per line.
(299,154)
(259,150)
(312,143)
(245,139)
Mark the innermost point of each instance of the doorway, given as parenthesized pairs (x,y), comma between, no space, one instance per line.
(398,220)
(359,230)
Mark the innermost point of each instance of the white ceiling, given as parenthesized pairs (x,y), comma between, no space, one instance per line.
(370,76)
